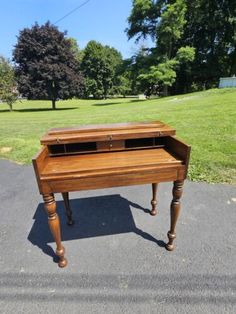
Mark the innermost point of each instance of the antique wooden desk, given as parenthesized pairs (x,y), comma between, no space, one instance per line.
(102,156)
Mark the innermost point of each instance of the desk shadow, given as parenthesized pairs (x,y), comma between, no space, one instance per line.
(93,216)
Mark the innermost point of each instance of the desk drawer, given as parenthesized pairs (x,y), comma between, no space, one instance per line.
(110,145)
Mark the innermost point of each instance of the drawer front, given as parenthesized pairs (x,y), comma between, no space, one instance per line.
(91,183)
(110,145)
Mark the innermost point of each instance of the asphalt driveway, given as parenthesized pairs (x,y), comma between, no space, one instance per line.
(117,262)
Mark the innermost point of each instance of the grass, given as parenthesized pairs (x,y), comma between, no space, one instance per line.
(206,120)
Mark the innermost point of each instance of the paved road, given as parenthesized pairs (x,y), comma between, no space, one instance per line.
(117,263)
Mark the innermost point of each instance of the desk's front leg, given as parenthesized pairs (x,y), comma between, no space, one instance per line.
(54,224)
(174,212)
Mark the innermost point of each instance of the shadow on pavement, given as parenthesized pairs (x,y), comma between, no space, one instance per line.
(93,216)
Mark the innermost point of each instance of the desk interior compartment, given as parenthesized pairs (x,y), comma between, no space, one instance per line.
(136,143)
(72,148)
(169,143)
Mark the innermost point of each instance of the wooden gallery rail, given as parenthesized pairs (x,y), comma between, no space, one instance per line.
(102,156)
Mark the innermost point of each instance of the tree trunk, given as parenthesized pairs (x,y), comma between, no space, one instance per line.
(53,104)
(165,91)
(10,106)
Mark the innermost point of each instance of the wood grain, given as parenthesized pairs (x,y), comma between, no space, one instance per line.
(106,133)
(174,212)
(54,225)
(114,161)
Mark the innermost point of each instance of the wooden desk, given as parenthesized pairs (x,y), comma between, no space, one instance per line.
(102,156)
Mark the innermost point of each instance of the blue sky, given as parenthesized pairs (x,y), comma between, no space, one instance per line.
(101,20)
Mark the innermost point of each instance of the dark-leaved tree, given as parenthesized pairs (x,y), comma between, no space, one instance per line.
(45,64)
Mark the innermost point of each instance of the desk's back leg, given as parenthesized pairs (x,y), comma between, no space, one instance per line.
(174,212)
(65,196)
(153,212)
(54,224)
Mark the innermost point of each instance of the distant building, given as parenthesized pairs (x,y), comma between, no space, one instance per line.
(227,82)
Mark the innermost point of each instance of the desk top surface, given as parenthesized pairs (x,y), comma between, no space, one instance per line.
(101,132)
(108,163)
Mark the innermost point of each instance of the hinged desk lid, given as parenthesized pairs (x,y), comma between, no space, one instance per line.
(104,132)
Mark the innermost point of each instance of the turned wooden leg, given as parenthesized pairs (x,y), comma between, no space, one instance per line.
(174,212)
(54,224)
(65,196)
(153,212)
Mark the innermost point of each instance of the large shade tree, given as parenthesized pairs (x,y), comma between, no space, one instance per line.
(99,66)
(164,21)
(45,64)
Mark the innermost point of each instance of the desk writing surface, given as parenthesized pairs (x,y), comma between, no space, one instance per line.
(108,162)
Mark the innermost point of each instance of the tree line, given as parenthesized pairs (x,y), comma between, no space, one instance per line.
(194,44)
(50,66)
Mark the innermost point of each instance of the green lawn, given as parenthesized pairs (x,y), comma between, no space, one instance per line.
(205,120)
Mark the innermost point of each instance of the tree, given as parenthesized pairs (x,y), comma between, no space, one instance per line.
(78,53)
(159,77)
(136,65)
(99,67)
(170,27)
(46,66)
(169,31)
(143,19)
(8,89)
(122,85)
(207,26)
(211,29)
(185,57)
(164,21)
(163,75)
